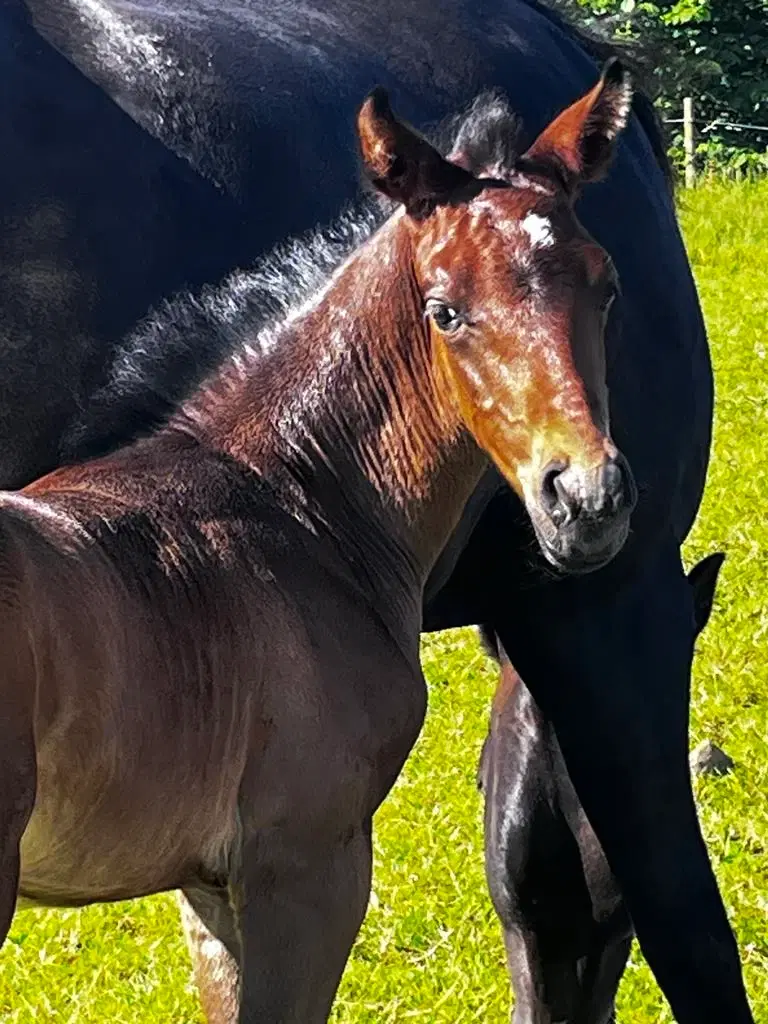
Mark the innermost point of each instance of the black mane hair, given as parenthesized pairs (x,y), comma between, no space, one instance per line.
(489,642)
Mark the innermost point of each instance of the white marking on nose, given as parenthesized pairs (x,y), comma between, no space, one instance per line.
(539,230)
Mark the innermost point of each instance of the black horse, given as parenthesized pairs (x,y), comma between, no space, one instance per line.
(147,147)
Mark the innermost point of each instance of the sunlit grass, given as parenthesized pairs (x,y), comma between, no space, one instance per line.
(430,948)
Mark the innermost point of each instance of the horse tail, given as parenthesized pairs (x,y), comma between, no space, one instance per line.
(489,642)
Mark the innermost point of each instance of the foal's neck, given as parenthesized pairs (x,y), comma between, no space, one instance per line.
(343,411)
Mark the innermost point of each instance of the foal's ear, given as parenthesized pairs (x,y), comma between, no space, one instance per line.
(581,140)
(403,165)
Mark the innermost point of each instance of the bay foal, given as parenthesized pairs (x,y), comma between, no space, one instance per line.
(211,638)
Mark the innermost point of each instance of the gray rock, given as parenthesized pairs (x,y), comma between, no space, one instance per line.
(709,759)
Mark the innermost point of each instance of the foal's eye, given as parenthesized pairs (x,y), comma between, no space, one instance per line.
(446,318)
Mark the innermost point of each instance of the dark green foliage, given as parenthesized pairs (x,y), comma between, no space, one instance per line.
(713,50)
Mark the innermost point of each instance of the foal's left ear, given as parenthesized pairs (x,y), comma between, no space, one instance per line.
(403,165)
(580,142)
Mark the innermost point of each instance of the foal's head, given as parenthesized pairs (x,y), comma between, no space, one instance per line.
(517,296)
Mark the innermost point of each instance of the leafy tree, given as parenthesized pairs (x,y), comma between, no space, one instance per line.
(713,50)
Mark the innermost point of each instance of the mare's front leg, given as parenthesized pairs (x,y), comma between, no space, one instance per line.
(299,900)
(610,667)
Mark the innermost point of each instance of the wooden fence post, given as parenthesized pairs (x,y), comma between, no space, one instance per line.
(690,168)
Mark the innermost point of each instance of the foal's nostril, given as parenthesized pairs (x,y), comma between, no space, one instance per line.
(555,500)
(549,493)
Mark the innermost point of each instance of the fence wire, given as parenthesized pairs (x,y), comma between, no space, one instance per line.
(710,126)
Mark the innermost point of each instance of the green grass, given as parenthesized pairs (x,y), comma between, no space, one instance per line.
(430,948)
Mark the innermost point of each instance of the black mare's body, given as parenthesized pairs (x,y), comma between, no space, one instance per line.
(105,211)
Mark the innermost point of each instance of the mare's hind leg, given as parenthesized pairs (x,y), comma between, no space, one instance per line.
(300,903)
(611,668)
(214,945)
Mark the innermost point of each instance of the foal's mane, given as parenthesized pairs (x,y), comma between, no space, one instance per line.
(344,377)
(187,338)
(192,338)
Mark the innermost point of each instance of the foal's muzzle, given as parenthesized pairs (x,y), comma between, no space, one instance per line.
(582,516)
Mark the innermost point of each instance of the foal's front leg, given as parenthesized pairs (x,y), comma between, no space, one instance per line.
(300,901)
(214,946)
(17,796)
(18,779)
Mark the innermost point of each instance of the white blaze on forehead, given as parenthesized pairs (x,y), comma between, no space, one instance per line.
(538,229)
